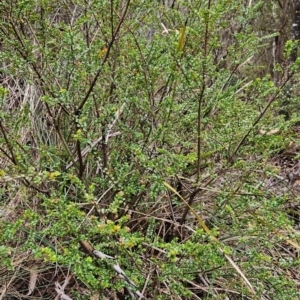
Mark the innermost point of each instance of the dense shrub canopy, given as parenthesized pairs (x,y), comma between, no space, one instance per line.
(149,149)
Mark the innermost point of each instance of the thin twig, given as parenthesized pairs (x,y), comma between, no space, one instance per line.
(108,135)
(96,77)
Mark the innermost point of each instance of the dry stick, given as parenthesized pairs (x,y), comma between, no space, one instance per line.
(123,275)
(60,289)
(111,261)
(145,286)
(271,100)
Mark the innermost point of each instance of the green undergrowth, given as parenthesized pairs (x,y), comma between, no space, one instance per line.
(149,134)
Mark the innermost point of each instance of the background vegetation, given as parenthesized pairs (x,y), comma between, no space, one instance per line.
(149,150)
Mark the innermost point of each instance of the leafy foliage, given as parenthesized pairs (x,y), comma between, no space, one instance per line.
(146,133)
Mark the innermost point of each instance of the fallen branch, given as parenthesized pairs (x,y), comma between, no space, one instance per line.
(60,289)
